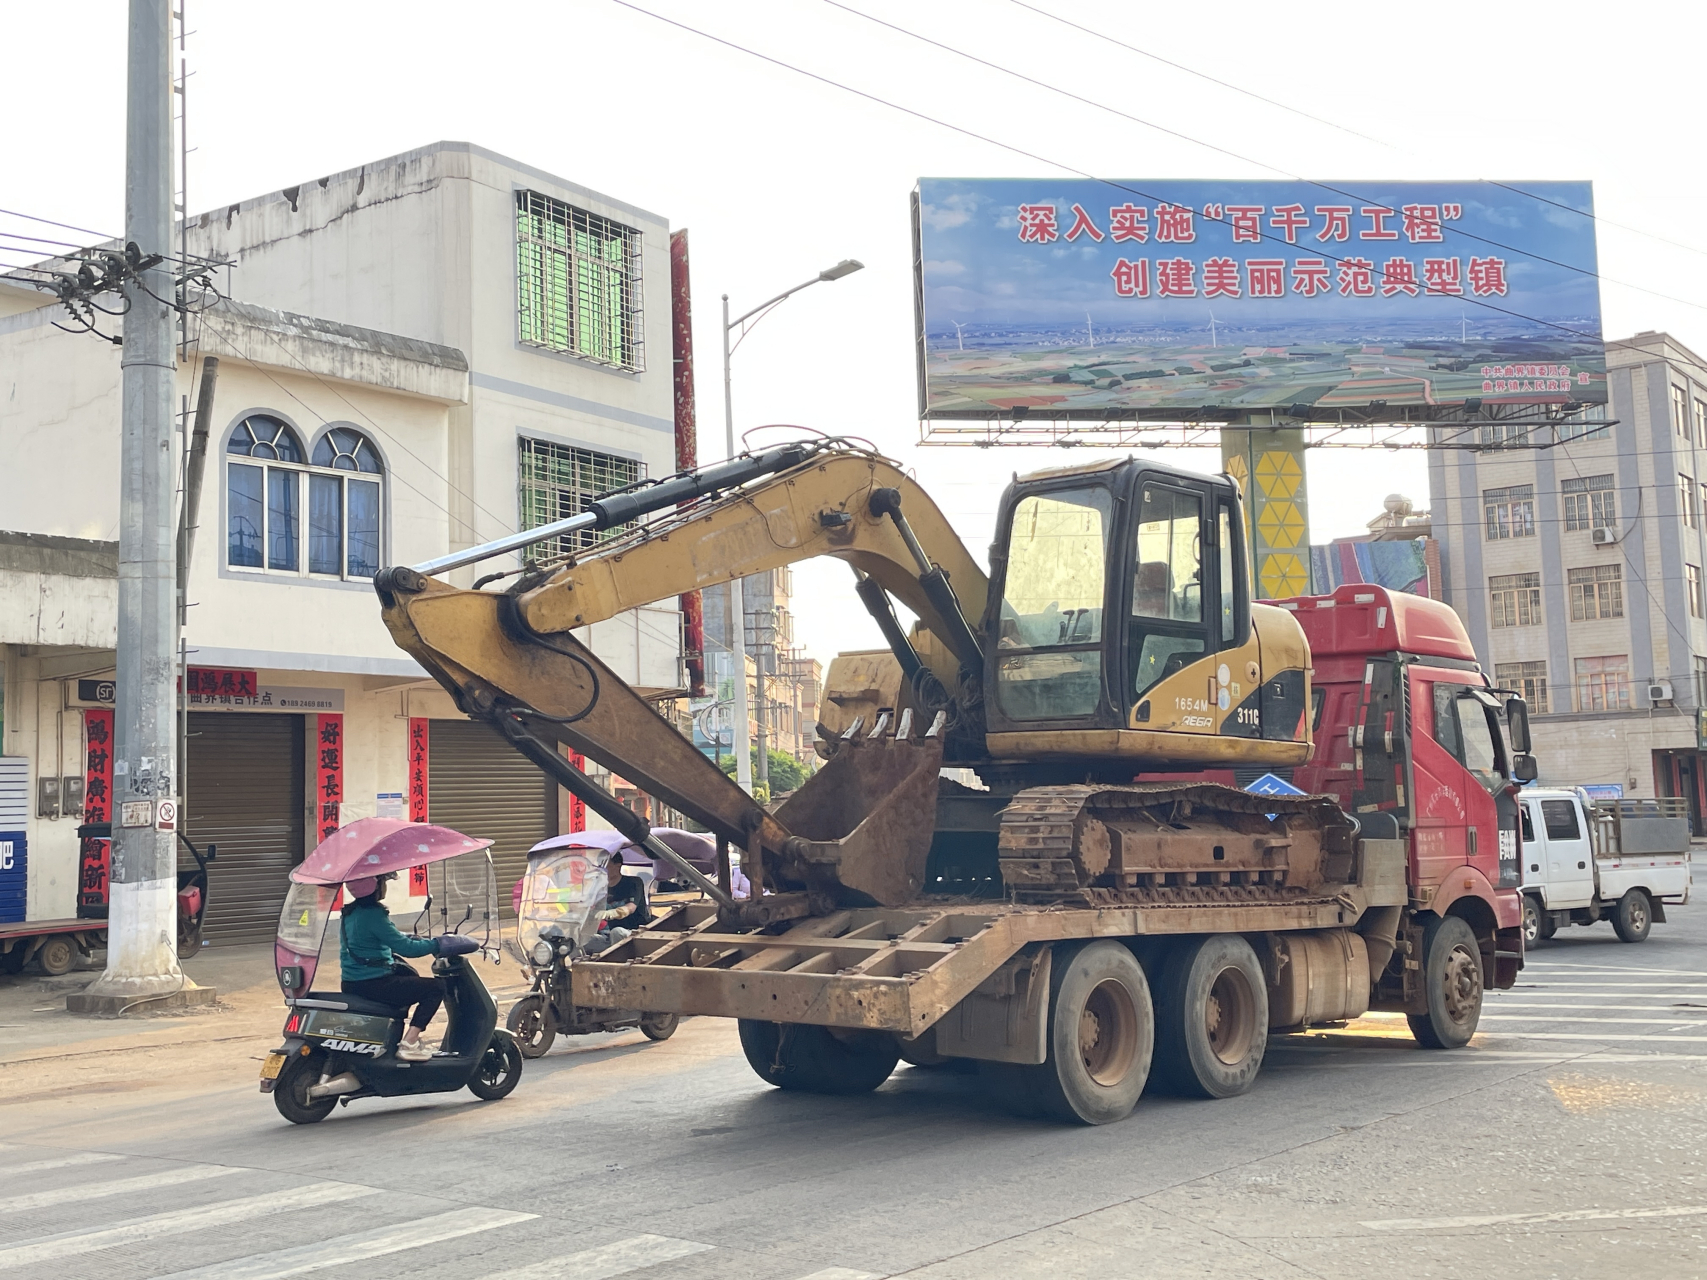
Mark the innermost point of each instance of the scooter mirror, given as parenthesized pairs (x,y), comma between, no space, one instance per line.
(212,852)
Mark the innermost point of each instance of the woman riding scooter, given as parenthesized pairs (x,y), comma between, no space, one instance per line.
(368,946)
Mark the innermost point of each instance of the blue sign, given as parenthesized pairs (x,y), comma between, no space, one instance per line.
(1087,298)
(1269,785)
(14,873)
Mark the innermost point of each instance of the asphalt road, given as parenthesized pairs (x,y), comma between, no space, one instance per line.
(1566,1141)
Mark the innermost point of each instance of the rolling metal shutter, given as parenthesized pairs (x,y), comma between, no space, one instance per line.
(246,777)
(480,785)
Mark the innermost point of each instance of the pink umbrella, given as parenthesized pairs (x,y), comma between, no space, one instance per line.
(376,846)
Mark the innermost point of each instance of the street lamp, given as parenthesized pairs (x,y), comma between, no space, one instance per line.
(737,606)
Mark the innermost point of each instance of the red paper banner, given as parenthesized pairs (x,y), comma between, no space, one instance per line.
(418,735)
(577,806)
(95,854)
(329,772)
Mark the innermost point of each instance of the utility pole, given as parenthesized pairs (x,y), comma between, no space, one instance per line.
(142,921)
(737,605)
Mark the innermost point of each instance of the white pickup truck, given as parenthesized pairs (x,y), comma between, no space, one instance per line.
(1584,860)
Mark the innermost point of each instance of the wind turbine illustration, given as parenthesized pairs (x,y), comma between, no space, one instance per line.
(1090,333)
(1212,340)
(1463,328)
(959,341)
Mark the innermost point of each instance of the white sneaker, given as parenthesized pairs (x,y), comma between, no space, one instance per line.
(416,1052)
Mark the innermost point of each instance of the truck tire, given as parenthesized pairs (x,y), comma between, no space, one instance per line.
(1211,1018)
(1102,1031)
(56,956)
(1549,925)
(532,1025)
(659,1026)
(1532,918)
(813,1059)
(1633,918)
(1452,979)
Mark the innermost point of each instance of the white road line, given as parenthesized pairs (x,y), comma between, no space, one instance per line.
(341,1251)
(1635,988)
(60,1162)
(99,1190)
(842,1273)
(33,1253)
(1546,965)
(1517,1004)
(1572,1035)
(1509,1219)
(608,1260)
(1673,1021)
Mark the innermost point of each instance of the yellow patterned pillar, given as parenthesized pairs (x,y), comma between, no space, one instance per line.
(1269,466)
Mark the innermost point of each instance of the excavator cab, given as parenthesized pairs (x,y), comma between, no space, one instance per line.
(1120,624)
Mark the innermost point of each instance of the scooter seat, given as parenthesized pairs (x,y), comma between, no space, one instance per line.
(347,1003)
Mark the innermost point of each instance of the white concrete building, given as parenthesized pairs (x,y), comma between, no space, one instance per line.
(426,352)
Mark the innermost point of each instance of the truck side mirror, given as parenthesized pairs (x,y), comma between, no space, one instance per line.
(1523,768)
(1517,723)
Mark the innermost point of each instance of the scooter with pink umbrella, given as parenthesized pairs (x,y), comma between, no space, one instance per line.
(339,1047)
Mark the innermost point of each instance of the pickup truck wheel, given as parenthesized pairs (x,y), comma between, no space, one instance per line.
(1452,979)
(1549,925)
(1532,914)
(1102,1031)
(815,1059)
(1211,1018)
(1633,918)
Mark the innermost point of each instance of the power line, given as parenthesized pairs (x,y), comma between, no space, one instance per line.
(64,226)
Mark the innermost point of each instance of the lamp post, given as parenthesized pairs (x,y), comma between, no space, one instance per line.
(737,605)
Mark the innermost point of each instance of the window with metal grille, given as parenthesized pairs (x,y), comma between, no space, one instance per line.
(1700,422)
(1590,503)
(1510,512)
(1529,679)
(1686,501)
(1692,581)
(559,480)
(578,282)
(1516,599)
(1587,424)
(1603,684)
(1597,592)
(1679,422)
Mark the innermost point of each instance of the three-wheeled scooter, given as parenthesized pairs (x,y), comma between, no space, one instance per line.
(340,1047)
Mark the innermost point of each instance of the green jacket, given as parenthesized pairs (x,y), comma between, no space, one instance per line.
(368,942)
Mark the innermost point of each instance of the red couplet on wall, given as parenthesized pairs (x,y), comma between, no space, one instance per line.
(577,806)
(95,854)
(418,792)
(329,772)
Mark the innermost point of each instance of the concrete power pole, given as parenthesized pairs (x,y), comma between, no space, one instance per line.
(142,927)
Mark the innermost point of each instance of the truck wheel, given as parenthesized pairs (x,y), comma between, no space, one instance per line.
(56,956)
(659,1026)
(1549,925)
(1211,1018)
(815,1059)
(1102,1030)
(1634,917)
(1532,914)
(1452,978)
(531,1024)
(190,942)
(290,1092)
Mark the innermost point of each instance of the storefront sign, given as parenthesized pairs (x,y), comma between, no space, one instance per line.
(418,792)
(329,773)
(388,804)
(270,697)
(94,858)
(220,682)
(101,691)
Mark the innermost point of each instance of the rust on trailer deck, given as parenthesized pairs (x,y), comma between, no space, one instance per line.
(887,969)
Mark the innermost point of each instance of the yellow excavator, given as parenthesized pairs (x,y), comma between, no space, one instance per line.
(1114,634)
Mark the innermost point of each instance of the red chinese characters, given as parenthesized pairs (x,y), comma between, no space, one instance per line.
(217,682)
(1246,220)
(1037,224)
(1440,277)
(1310,276)
(1082,225)
(329,773)
(418,792)
(1174,224)
(1289,220)
(1357,277)
(1422,223)
(1220,278)
(1399,275)
(577,806)
(95,853)
(1377,228)
(1336,222)
(1175,278)
(1487,276)
(1129,222)
(1131,279)
(1265,277)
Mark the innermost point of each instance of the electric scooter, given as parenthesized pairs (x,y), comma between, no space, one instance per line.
(340,1047)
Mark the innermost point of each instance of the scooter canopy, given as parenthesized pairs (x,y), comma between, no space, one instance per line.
(376,846)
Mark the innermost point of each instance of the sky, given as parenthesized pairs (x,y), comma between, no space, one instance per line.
(777,175)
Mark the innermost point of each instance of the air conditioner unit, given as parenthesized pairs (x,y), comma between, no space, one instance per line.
(1659,691)
(1603,537)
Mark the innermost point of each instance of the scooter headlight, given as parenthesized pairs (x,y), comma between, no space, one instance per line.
(542,952)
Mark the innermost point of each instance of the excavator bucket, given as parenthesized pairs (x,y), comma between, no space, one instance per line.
(862,825)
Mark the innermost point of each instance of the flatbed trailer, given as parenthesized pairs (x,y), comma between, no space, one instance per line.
(53,944)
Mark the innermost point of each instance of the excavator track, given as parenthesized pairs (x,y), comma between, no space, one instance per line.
(1160,843)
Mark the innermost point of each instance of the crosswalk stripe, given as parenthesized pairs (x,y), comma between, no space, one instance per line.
(1599,1022)
(65,1244)
(1505,1219)
(842,1273)
(58,1162)
(1572,1035)
(1573,1005)
(357,1246)
(606,1260)
(99,1190)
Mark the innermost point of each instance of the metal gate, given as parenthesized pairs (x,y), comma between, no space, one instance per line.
(245,779)
(480,785)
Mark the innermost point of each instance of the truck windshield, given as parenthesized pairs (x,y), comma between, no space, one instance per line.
(1052,605)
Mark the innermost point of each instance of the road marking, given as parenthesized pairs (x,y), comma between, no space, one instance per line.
(1511,1219)
(1583,1035)
(61,1162)
(173,1222)
(607,1260)
(842,1273)
(1673,1021)
(358,1246)
(1526,1004)
(98,1190)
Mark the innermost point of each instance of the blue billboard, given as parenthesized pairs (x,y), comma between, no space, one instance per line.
(1101,299)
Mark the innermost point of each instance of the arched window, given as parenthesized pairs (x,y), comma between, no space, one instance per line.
(265,501)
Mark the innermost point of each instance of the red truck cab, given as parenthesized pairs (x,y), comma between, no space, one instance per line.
(1411,738)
